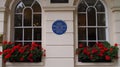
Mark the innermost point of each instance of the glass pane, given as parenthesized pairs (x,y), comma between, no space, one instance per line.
(27,2)
(27,43)
(101,34)
(36,7)
(18,20)
(37,34)
(82,7)
(101,19)
(91,44)
(81,19)
(27,17)
(19,8)
(18,33)
(91,33)
(91,2)
(27,34)
(91,17)
(16,43)
(39,43)
(100,7)
(37,20)
(59,1)
(81,33)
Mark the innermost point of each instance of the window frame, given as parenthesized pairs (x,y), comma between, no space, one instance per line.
(27,27)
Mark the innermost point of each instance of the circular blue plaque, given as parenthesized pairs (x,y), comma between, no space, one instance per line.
(59,27)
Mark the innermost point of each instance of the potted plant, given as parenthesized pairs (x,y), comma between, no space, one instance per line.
(100,52)
(20,53)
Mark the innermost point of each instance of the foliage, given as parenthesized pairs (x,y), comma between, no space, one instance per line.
(100,51)
(20,53)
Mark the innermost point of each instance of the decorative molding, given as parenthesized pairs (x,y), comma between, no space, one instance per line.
(59,8)
(115,9)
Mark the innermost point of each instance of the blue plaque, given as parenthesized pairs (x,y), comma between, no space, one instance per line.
(59,27)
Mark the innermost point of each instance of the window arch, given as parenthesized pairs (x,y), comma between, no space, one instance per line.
(91,22)
(27,22)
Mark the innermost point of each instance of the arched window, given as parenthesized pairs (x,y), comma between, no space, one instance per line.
(27,22)
(91,22)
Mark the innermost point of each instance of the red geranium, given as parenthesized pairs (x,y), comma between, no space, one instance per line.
(17,52)
(100,51)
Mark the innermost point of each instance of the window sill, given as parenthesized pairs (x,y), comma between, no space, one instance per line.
(24,63)
(97,63)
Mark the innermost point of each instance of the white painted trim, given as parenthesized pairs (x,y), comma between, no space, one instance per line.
(24,63)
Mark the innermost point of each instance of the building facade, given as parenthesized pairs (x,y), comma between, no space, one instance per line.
(60,25)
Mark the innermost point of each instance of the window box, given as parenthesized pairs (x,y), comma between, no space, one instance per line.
(19,53)
(100,52)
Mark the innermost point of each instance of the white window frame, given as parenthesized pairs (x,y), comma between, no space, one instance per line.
(28,27)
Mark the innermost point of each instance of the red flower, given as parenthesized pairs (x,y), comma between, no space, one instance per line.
(0,52)
(10,43)
(107,57)
(21,59)
(101,54)
(4,42)
(8,56)
(21,50)
(94,50)
(30,55)
(102,51)
(80,45)
(6,51)
(105,49)
(111,49)
(116,44)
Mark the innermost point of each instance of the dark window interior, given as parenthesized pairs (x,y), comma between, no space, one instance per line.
(59,1)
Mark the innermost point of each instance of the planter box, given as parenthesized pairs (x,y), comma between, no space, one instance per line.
(24,64)
(89,61)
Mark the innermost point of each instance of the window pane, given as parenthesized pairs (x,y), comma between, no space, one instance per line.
(81,19)
(27,34)
(59,1)
(18,20)
(36,7)
(19,8)
(91,2)
(101,19)
(91,44)
(27,17)
(39,43)
(37,34)
(91,17)
(91,33)
(81,33)
(82,7)
(100,7)
(101,34)
(37,20)
(27,43)
(16,43)
(18,33)
(27,2)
